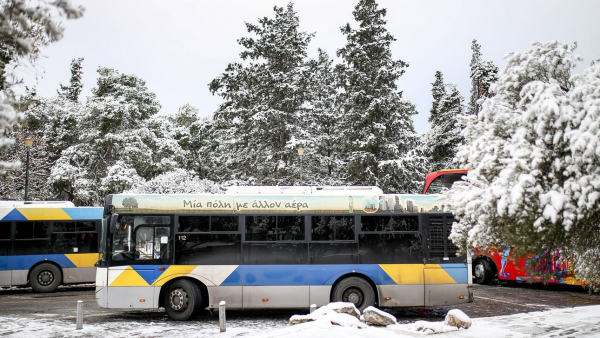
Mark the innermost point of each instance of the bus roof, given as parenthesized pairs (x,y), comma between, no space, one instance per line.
(59,211)
(35,204)
(304,190)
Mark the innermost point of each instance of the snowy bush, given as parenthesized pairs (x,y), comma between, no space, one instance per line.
(178,181)
(535,153)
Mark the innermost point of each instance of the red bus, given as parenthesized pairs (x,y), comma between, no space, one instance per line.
(497,263)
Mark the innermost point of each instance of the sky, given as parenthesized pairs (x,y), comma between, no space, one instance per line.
(178,47)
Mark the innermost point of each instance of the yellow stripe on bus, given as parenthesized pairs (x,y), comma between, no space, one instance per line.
(435,274)
(404,273)
(172,272)
(83,260)
(44,214)
(129,277)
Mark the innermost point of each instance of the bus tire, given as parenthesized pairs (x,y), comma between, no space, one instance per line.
(45,277)
(354,290)
(482,271)
(182,299)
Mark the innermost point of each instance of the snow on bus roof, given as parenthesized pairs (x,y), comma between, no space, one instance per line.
(303,190)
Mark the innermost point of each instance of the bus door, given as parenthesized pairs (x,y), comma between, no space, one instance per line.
(142,251)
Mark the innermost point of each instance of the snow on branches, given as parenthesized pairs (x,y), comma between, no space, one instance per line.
(535,153)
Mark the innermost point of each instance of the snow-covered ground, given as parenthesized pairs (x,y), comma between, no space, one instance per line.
(573,322)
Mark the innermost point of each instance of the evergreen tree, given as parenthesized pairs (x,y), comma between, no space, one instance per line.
(116,147)
(264,98)
(534,153)
(437,92)
(25,28)
(318,132)
(13,186)
(72,91)
(377,127)
(443,138)
(483,74)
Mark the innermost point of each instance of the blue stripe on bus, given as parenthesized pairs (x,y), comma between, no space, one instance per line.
(457,271)
(84,213)
(14,215)
(276,275)
(26,262)
(150,273)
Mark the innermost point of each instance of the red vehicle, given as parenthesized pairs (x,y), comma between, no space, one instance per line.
(438,180)
(498,263)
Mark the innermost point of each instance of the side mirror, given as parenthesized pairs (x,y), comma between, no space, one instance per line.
(113,222)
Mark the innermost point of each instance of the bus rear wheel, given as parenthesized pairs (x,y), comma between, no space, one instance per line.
(354,290)
(45,278)
(182,299)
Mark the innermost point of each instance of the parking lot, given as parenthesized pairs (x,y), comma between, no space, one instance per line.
(490,300)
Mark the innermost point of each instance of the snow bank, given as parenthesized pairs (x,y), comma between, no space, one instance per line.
(342,314)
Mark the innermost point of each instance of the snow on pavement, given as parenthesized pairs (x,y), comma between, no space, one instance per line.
(575,322)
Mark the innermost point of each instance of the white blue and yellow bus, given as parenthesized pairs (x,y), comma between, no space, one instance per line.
(278,247)
(46,244)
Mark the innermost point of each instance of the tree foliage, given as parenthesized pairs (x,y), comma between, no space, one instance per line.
(536,166)
(442,140)
(25,28)
(378,133)
(264,99)
(72,91)
(483,74)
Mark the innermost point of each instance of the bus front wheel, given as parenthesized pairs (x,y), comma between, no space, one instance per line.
(354,290)
(482,272)
(45,278)
(182,299)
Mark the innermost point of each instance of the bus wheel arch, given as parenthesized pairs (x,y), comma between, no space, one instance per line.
(484,270)
(355,288)
(183,298)
(45,276)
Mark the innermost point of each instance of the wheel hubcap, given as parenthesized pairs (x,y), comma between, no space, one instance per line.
(479,271)
(354,296)
(45,278)
(178,299)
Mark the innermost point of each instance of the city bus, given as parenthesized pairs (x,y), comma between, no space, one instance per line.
(278,247)
(46,244)
(497,263)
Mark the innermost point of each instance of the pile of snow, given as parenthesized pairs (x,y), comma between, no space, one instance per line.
(455,320)
(338,313)
(347,315)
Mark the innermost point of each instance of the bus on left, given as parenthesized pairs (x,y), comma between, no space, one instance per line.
(46,244)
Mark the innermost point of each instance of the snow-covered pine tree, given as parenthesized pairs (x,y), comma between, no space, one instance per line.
(443,138)
(177,181)
(318,131)
(12,187)
(437,91)
(376,128)
(54,120)
(25,28)
(115,148)
(264,98)
(72,91)
(536,167)
(483,74)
